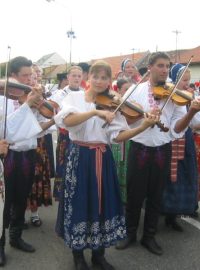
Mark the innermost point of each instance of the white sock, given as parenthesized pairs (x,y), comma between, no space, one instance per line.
(35,214)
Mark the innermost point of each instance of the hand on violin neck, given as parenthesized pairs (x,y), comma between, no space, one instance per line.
(195,105)
(33,99)
(150,119)
(38,89)
(3,147)
(156,111)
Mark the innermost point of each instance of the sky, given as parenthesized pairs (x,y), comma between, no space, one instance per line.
(34,28)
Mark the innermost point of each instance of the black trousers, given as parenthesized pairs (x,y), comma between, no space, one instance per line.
(19,171)
(147,170)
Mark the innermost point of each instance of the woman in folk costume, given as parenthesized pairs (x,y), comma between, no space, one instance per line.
(74,78)
(196,131)
(130,71)
(41,189)
(180,194)
(90,213)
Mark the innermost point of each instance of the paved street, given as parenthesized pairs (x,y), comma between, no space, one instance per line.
(181,250)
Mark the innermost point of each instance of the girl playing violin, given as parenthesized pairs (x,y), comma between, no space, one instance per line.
(90,213)
(180,192)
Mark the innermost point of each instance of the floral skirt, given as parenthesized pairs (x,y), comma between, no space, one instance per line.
(41,188)
(61,150)
(79,221)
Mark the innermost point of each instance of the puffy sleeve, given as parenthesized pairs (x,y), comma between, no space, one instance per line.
(22,124)
(179,112)
(70,105)
(195,121)
(117,125)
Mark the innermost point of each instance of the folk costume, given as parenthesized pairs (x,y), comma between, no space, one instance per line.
(19,165)
(90,213)
(62,143)
(181,188)
(149,163)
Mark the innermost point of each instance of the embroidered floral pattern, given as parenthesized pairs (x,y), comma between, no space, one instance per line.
(83,233)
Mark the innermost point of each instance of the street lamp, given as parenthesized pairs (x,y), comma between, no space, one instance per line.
(50,63)
(70,35)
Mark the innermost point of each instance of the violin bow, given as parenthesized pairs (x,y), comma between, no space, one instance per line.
(174,89)
(124,100)
(5,103)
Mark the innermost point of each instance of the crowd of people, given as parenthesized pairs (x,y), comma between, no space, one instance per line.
(121,147)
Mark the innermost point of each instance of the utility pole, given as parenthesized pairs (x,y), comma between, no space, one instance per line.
(133,49)
(176,32)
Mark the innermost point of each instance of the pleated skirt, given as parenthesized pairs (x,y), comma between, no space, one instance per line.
(80,221)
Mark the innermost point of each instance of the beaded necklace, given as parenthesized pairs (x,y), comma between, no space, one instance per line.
(152,102)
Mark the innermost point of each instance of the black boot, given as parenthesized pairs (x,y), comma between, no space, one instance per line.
(98,259)
(2,250)
(151,245)
(171,221)
(79,260)
(17,242)
(125,243)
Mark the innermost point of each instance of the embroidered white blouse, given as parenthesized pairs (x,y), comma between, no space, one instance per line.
(60,94)
(171,113)
(90,130)
(22,126)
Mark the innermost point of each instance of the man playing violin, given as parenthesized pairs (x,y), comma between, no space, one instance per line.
(22,128)
(150,155)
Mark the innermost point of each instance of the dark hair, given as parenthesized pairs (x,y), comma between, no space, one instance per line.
(192,85)
(157,55)
(17,63)
(120,82)
(61,76)
(143,70)
(85,66)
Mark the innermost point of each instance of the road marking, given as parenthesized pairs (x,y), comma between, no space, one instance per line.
(192,221)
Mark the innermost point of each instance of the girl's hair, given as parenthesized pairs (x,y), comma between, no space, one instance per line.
(99,66)
(72,68)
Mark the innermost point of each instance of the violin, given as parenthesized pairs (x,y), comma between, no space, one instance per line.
(15,91)
(129,110)
(180,97)
(47,108)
